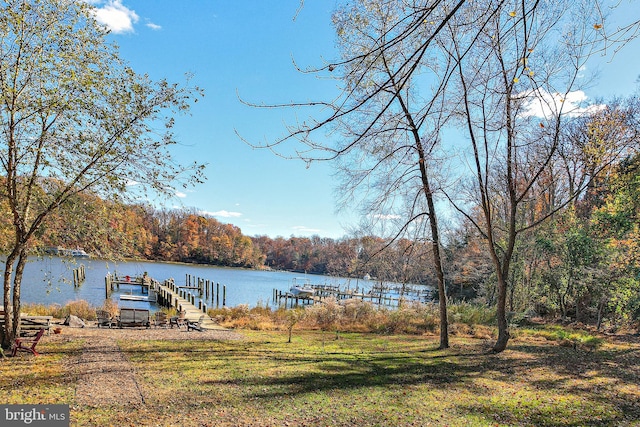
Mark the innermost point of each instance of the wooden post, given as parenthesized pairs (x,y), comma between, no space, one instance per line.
(217,295)
(224,295)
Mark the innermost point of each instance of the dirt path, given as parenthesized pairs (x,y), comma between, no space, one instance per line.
(104,374)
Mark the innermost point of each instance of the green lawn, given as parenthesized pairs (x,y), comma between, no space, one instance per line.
(359,379)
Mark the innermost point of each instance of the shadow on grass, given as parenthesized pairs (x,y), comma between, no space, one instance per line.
(26,372)
(576,387)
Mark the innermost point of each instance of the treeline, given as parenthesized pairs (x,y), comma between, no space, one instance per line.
(118,230)
(583,263)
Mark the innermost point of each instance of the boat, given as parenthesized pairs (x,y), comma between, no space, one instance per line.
(78,253)
(60,251)
(304,290)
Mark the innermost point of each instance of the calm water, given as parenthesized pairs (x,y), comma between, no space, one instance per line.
(49,281)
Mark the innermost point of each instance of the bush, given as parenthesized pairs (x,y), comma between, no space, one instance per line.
(79,308)
(40,309)
(471,314)
(111,307)
(359,316)
(327,315)
(257,318)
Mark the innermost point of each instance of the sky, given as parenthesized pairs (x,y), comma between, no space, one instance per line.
(246,49)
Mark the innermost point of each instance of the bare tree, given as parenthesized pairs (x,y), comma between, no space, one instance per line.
(410,69)
(516,84)
(385,140)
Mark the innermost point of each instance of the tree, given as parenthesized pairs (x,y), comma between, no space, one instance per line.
(516,78)
(409,69)
(74,118)
(386,140)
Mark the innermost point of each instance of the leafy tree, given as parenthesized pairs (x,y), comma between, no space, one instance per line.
(74,118)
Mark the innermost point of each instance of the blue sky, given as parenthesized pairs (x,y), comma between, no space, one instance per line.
(246,47)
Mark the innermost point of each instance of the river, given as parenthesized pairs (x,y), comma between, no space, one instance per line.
(49,280)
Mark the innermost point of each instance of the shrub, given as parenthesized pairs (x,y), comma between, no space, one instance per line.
(39,309)
(359,316)
(79,308)
(110,306)
(327,315)
(470,314)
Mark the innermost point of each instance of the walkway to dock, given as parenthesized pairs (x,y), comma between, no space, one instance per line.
(105,376)
(170,295)
(103,372)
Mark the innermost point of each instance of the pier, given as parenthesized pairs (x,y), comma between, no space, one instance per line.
(378,295)
(79,275)
(173,296)
(113,282)
(170,295)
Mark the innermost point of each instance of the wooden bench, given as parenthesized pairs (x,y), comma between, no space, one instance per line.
(35,323)
(133,317)
(31,324)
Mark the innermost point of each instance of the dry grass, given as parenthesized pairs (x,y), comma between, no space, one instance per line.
(360,316)
(358,379)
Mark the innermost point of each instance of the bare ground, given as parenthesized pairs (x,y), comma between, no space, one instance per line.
(105,375)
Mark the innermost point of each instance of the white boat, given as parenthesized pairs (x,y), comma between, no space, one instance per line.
(79,253)
(302,290)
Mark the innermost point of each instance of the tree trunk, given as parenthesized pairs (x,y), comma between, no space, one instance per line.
(433,219)
(17,282)
(437,256)
(8,336)
(501,316)
(11,297)
(600,311)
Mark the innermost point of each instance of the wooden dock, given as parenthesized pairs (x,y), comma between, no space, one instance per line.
(377,296)
(171,295)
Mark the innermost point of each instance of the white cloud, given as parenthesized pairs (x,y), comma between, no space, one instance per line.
(544,104)
(116,16)
(305,230)
(180,194)
(222,214)
(153,26)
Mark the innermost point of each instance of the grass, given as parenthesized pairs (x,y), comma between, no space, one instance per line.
(41,380)
(359,379)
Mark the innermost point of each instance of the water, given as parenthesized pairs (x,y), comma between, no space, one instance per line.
(49,281)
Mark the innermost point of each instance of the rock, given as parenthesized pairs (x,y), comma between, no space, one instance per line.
(74,321)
